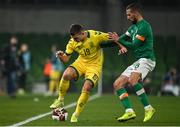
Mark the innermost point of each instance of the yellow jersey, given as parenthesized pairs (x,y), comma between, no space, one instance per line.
(89,50)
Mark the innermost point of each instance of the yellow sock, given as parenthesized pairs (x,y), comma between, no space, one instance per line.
(63,87)
(81,102)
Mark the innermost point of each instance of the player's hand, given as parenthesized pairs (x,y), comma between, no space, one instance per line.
(123,50)
(113,36)
(62,56)
(59,53)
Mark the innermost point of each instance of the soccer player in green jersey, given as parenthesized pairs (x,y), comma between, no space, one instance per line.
(139,38)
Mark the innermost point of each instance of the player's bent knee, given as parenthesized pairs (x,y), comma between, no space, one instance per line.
(120,82)
(134,78)
(117,84)
(67,75)
(86,89)
(87,86)
(132,81)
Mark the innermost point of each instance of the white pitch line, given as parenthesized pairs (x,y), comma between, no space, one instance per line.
(48,113)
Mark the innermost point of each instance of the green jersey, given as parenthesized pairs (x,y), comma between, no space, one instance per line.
(139,38)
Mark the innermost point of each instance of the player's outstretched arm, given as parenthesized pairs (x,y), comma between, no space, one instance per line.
(62,56)
(114,37)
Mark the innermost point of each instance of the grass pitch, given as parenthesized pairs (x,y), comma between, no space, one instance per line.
(99,112)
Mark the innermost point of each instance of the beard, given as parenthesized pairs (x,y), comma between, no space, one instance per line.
(134,21)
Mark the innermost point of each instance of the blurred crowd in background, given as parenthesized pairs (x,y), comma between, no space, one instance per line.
(171,83)
(15,65)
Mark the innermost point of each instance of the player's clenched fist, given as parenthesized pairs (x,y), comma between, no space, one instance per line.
(59,53)
(62,56)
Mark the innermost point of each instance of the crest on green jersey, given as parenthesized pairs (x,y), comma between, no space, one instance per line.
(136,65)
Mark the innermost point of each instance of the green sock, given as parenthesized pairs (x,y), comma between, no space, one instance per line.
(123,95)
(141,93)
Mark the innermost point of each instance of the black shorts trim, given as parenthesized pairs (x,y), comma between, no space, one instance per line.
(76,72)
(90,81)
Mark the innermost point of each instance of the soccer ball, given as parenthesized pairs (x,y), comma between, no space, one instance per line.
(60,114)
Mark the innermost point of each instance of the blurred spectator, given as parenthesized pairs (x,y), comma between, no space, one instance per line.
(1,85)
(1,73)
(147,85)
(11,65)
(47,70)
(170,85)
(56,72)
(25,65)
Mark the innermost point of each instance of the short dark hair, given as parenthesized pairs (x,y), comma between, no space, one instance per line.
(134,7)
(75,29)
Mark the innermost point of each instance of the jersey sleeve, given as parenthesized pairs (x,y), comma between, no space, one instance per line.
(69,47)
(101,36)
(141,34)
(128,33)
(124,37)
(138,41)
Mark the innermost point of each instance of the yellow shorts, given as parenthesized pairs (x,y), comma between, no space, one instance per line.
(91,72)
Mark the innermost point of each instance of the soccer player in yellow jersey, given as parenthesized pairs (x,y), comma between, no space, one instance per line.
(87,43)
